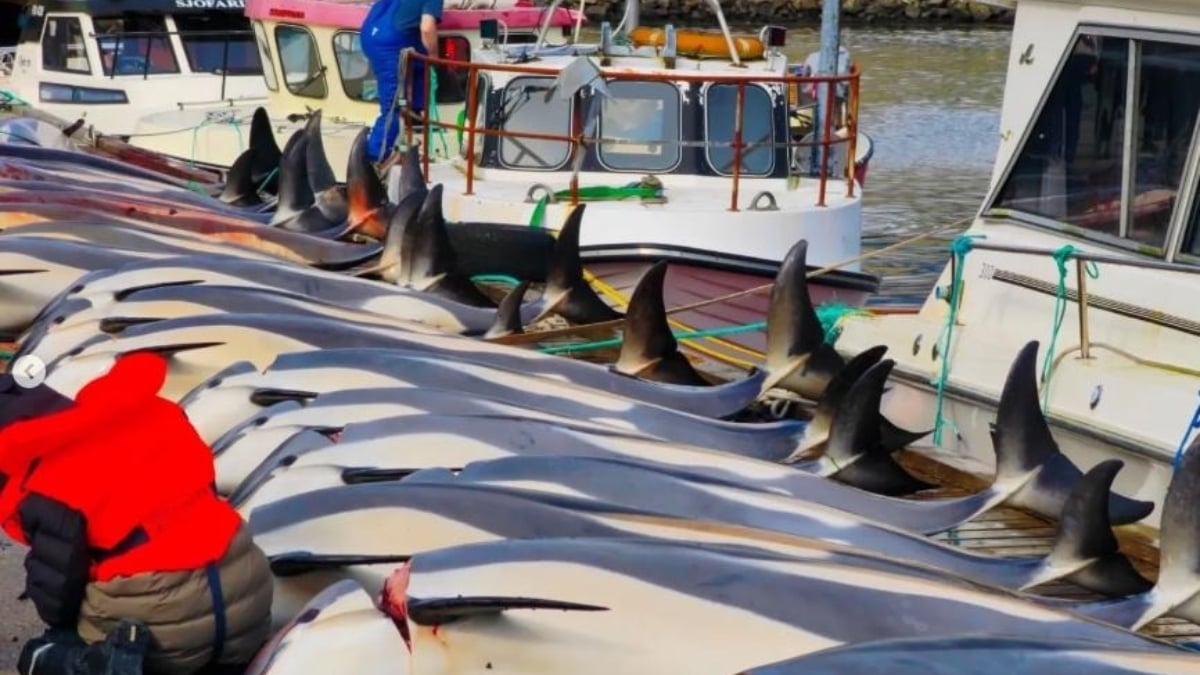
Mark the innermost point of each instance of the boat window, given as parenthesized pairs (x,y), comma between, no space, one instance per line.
(1168,100)
(63,48)
(358,80)
(639,122)
(302,70)
(220,42)
(524,109)
(134,45)
(1074,168)
(264,55)
(758,129)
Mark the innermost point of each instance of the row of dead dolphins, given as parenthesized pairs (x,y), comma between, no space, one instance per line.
(435,502)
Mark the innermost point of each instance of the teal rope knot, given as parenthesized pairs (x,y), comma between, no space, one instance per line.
(959,248)
(1061,257)
(1192,426)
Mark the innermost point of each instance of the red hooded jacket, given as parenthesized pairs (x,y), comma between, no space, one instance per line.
(132,464)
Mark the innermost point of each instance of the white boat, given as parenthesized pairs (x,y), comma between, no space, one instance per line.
(1079,165)
(313,59)
(108,62)
(652,115)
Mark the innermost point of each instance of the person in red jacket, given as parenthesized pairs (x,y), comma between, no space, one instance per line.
(114,495)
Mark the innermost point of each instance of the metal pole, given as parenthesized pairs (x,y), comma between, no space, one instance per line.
(1085,347)
(826,65)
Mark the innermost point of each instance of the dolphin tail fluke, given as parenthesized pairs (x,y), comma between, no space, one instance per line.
(1086,541)
(894,438)
(437,611)
(508,315)
(295,195)
(364,191)
(569,294)
(648,349)
(412,179)
(264,168)
(391,256)
(302,562)
(1029,459)
(854,438)
(240,187)
(316,162)
(793,329)
(428,258)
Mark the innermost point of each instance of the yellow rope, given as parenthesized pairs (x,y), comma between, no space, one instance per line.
(622,302)
(1149,363)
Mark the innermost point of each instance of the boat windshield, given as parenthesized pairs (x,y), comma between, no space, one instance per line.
(219,42)
(134,45)
(1108,166)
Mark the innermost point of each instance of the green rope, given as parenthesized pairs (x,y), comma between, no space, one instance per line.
(830,315)
(1061,256)
(461,122)
(12,98)
(495,279)
(433,114)
(266,180)
(959,248)
(596,193)
(6,355)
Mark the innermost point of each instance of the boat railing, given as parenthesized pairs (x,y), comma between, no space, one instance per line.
(1081,296)
(8,59)
(825,139)
(116,38)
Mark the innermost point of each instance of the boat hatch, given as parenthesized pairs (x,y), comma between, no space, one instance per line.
(1108,152)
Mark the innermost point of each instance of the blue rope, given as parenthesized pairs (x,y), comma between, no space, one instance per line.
(959,248)
(1192,426)
(1061,256)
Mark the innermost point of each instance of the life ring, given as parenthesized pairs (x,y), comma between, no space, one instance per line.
(699,42)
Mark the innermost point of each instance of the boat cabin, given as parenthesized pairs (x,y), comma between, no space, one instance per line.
(313,57)
(112,62)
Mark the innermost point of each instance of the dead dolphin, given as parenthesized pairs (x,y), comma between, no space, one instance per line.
(653,354)
(256,447)
(1022,468)
(984,655)
(482,599)
(311,373)
(339,630)
(442,438)
(1086,553)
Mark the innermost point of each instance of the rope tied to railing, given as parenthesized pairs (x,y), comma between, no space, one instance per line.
(1192,426)
(1061,256)
(959,249)
(638,189)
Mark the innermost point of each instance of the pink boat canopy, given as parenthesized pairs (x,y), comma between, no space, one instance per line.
(521,14)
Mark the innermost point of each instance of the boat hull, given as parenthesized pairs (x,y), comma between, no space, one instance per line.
(690,282)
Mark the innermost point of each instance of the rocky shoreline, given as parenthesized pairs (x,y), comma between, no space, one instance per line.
(913,12)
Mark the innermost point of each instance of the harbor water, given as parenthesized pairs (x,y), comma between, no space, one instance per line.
(931,102)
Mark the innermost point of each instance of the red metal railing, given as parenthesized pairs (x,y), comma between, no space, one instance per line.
(577,140)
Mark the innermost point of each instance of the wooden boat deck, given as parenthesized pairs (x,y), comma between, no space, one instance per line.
(1009,531)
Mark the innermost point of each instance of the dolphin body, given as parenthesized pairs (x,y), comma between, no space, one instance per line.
(1085,551)
(984,655)
(632,606)
(339,630)
(1028,473)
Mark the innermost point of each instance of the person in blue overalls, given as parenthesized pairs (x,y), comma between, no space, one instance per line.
(390,27)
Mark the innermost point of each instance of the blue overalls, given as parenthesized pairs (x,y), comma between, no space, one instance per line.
(390,27)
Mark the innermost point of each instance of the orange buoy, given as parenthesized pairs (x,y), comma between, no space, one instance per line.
(699,42)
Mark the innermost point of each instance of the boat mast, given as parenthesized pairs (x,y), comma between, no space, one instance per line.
(827,64)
